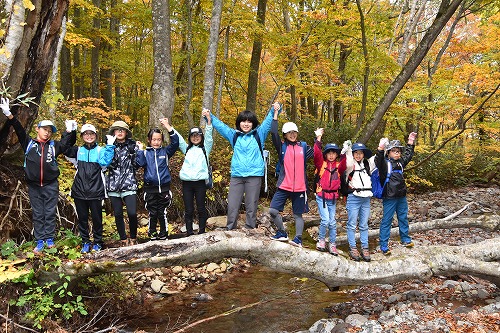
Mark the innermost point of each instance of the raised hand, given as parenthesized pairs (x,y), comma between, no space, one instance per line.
(345,146)
(140,145)
(166,124)
(71,125)
(383,143)
(207,115)
(4,105)
(412,137)
(319,133)
(110,139)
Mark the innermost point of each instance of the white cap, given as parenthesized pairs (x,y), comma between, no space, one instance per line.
(44,123)
(88,127)
(288,127)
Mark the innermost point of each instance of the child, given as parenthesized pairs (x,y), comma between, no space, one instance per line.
(328,170)
(88,188)
(292,179)
(247,163)
(358,171)
(120,180)
(390,164)
(157,178)
(42,171)
(194,172)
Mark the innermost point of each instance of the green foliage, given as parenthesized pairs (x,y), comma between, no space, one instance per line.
(110,285)
(9,249)
(68,244)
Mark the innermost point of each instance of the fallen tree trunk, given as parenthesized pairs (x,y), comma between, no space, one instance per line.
(480,259)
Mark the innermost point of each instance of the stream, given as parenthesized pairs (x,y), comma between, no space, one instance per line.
(284,302)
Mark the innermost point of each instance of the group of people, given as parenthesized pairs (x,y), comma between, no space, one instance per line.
(109,171)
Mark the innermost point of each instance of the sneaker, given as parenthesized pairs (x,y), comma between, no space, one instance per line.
(385,250)
(365,254)
(296,241)
(408,244)
(280,236)
(321,245)
(162,236)
(39,246)
(50,243)
(85,248)
(96,248)
(153,236)
(132,241)
(354,254)
(333,249)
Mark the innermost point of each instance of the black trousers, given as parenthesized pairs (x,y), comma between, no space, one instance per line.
(131,203)
(157,204)
(192,190)
(82,209)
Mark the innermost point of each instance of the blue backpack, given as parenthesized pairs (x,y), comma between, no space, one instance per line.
(377,188)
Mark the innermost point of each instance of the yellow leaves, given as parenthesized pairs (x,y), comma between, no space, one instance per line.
(9,272)
(77,39)
(28,5)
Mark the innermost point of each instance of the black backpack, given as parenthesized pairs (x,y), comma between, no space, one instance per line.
(345,190)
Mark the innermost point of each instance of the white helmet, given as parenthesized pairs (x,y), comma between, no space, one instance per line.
(288,127)
(88,127)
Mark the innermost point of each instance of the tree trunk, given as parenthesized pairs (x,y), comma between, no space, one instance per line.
(444,14)
(162,91)
(33,60)
(253,74)
(66,74)
(366,72)
(209,80)
(480,259)
(409,29)
(96,50)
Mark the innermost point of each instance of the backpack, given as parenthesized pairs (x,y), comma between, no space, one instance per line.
(377,188)
(345,189)
(279,163)
(32,143)
(318,173)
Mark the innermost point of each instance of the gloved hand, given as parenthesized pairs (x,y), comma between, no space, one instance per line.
(4,105)
(412,137)
(345,146)
(110,139)
(140,145)
(383,143)
(319,132)
(71,125)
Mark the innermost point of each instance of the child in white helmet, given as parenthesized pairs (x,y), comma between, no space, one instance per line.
(292,179)
(88,188)
(390,161)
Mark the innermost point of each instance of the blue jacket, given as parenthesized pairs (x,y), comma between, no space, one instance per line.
(155,162)
(89,178)
(247,160)
(195,166)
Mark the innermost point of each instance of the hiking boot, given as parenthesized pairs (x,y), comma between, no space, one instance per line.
(162,236)
(40,244)
(296,241)
(96,248)
(365,254)
(281,236)
(85,248)
(354,254)
(385,250)
(408,244)
(333,249)
(50,243)
(321,245)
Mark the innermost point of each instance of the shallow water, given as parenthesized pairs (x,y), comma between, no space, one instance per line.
(284,303)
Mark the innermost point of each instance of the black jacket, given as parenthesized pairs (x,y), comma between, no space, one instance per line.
(396,187)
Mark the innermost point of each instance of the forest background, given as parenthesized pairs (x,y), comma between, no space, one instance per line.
(360,69)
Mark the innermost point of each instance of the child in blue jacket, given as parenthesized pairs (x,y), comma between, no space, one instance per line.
(157,177)
(88,188)
(194,172)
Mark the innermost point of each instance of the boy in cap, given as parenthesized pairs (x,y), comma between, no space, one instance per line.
(88,188)
(41,172)
(390,161)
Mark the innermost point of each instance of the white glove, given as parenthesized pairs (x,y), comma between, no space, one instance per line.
(140,145)
(412,137)
(71,125)
(4,105)
(345,146)
(110,139)
(383,143)
(319,132)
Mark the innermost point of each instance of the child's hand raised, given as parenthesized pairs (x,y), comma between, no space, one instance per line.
(412,137)
(207,115)
(140,145)
(319,133)
(166,124)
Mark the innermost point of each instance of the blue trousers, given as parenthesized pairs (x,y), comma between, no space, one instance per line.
(400,207)
(357,208)
(328,221)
